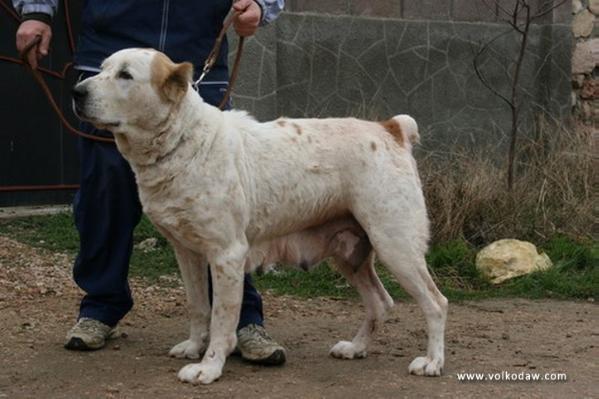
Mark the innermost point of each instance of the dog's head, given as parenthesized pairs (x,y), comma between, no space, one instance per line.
(136,90)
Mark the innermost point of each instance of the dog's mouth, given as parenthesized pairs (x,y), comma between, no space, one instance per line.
(80,113)
(106,125)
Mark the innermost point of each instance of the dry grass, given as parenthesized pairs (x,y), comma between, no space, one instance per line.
(467,194)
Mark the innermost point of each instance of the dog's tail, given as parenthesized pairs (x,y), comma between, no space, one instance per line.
(410,136)
(404,129)
(409,128)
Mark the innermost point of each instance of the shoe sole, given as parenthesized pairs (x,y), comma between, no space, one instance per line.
(277,358)
(77,344)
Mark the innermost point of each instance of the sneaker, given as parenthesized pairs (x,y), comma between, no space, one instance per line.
(88,335)
(256,346)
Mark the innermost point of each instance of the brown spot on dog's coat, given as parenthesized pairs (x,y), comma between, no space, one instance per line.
(392,127)
(372,325)
(169,79)
(298,129)
(281,122)
(373,145)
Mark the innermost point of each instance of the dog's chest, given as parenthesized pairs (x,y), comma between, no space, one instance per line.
(196,216)
(180,225)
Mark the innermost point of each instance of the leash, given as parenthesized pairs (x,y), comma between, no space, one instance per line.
(213,56)
(44,86)
(208,64)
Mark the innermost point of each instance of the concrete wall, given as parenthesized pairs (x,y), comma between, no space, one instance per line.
(375,59)
(454,10)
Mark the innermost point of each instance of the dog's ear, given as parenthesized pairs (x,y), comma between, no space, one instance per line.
(169,79)
(177,82)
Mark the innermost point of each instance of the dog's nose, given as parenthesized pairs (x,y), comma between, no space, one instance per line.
(79,93)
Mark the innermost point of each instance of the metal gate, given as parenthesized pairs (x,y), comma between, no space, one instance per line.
(38,158)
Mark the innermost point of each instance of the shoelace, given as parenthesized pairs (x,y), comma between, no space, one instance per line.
(90,324)
(260,332)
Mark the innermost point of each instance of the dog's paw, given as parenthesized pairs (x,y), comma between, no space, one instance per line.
(188,349)
(202,373)
(424,365)
(347,350)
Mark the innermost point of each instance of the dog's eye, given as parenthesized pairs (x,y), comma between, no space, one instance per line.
(124,75)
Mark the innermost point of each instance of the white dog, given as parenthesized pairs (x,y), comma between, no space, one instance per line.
(236,194)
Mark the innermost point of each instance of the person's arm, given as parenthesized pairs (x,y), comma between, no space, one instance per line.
(254,13)
(40,10)
(36,19)
(270,10)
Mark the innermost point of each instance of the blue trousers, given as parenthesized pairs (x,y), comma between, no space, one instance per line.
(107,209)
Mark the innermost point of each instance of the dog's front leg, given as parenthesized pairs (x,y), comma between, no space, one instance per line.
(227,286)
(194,272)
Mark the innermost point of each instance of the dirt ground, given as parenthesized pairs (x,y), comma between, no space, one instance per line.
(38,303)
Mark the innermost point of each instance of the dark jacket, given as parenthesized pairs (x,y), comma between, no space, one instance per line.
(183,29)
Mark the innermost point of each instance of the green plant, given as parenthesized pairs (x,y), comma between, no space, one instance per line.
(575,274)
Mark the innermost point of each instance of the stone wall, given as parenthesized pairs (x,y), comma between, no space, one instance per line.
(585,59)
(375,59)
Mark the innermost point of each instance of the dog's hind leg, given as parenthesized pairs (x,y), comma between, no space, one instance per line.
(376,301)
(194,272)
(399,250)
(393,214)
(414,277)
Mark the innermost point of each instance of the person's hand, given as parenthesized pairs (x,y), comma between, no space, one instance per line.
(27,32)
(246,23)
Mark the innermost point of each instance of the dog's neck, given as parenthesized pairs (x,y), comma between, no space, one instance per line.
(171,140)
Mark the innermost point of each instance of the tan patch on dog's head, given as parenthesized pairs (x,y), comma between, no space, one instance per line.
(392,127)
(281,122)
(169,79)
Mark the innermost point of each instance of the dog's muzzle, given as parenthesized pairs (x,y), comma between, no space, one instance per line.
(80,95)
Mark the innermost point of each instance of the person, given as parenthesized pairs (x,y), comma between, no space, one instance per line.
(106,206)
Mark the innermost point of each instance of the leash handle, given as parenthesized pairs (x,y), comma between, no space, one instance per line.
(29,47)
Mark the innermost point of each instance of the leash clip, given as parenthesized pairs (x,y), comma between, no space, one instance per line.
(196,83)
